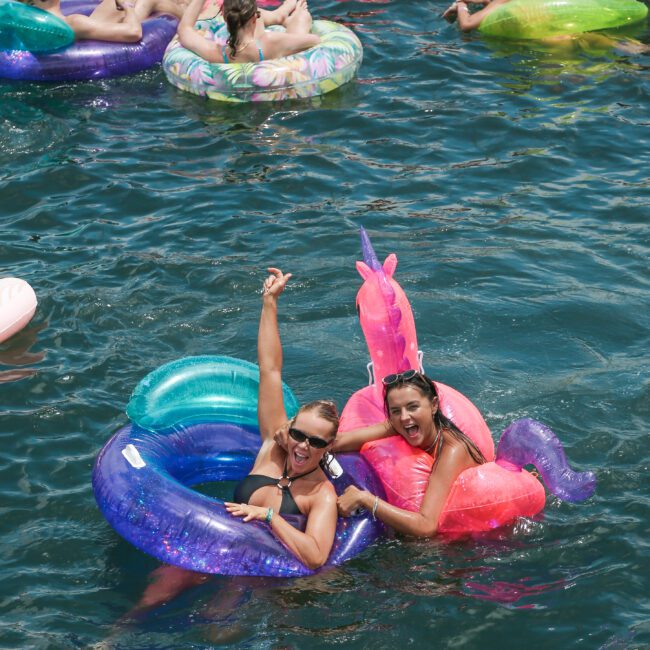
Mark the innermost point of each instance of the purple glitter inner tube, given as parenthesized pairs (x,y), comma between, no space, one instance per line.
(88,59)
(142,482)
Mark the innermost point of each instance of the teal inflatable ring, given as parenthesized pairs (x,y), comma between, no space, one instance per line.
(200,389)
(316,71)
(538,19)
(29,29)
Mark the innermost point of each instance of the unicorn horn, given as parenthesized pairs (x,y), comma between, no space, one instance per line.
(369,255)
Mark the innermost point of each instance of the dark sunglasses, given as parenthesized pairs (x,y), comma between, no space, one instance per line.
(314,441)
(399,377)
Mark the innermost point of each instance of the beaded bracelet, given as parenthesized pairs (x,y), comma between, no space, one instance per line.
(269,515)
(374,508)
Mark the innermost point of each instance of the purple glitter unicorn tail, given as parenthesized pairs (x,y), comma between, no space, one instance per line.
(529,442)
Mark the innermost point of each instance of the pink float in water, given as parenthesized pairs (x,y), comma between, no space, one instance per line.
(17,306)
(483,497)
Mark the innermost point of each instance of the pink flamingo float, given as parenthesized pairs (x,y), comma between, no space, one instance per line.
(483,497)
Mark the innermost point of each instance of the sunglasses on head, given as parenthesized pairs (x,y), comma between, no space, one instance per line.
(314,441)
(399,377)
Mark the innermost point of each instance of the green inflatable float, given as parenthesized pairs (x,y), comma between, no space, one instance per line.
(536,19)
(31,29)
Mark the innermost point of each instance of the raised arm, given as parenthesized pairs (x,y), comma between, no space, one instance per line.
(271,413)
(454,459)
(191,39)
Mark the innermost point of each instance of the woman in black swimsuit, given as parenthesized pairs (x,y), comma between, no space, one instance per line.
(289,481)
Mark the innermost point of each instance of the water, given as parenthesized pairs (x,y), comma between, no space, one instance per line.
(511,182)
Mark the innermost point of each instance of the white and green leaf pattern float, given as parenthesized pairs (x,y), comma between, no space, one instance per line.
(316,71)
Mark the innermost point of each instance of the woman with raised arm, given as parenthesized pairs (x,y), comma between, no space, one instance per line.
(248,40)
(288,480)
(411,404)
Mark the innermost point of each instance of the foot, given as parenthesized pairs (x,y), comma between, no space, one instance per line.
(286,9)
(279,16)
(300,19)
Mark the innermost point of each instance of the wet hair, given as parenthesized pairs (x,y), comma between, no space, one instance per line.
(237,13)
(427,388)
(325,409)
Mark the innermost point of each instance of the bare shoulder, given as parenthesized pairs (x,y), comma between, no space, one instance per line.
(455,453)
(321,492)
(327,490)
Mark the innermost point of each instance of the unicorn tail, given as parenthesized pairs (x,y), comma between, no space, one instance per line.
(528,442)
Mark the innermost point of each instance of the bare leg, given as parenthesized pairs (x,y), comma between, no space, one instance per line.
(144,8)
(278,16)
(209,10)
(168,582)
(107,11)
(299,22)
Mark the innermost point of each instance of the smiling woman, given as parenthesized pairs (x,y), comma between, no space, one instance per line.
(303,487)
(429,444)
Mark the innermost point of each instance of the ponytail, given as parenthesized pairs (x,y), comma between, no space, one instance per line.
(237,13)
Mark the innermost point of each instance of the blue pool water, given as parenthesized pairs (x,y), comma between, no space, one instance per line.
(512,183)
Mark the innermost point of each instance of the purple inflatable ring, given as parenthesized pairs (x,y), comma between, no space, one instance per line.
(142,482)
(88,59)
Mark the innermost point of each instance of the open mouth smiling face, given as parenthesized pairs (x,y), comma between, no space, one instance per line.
(309,438)
(411,415)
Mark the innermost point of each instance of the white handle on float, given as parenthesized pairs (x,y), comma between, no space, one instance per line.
(332,466)
(133,456)
(371,372)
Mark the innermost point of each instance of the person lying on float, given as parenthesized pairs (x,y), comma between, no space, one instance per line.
(411,403)
(469,21)
(118,21)
(249,41)
(302,486)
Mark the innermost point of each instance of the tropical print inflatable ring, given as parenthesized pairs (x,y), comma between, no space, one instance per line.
(316,71)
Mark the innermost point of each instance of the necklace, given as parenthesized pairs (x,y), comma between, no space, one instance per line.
(434,444)
(290,479)
(245,45)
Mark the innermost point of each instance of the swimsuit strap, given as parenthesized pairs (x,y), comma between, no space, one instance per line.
(291,479)
(224,54)
(259,50)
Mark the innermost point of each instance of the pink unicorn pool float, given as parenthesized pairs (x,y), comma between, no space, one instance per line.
(483,497)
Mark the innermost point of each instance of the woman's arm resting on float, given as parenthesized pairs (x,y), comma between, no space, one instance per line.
(468,21)
(283,43)
(191,39)
(313,546)
(354,439)
(453,461)
(271,413)
(129,30)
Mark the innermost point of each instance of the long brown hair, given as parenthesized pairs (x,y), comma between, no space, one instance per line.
(237,13)
(427,388)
